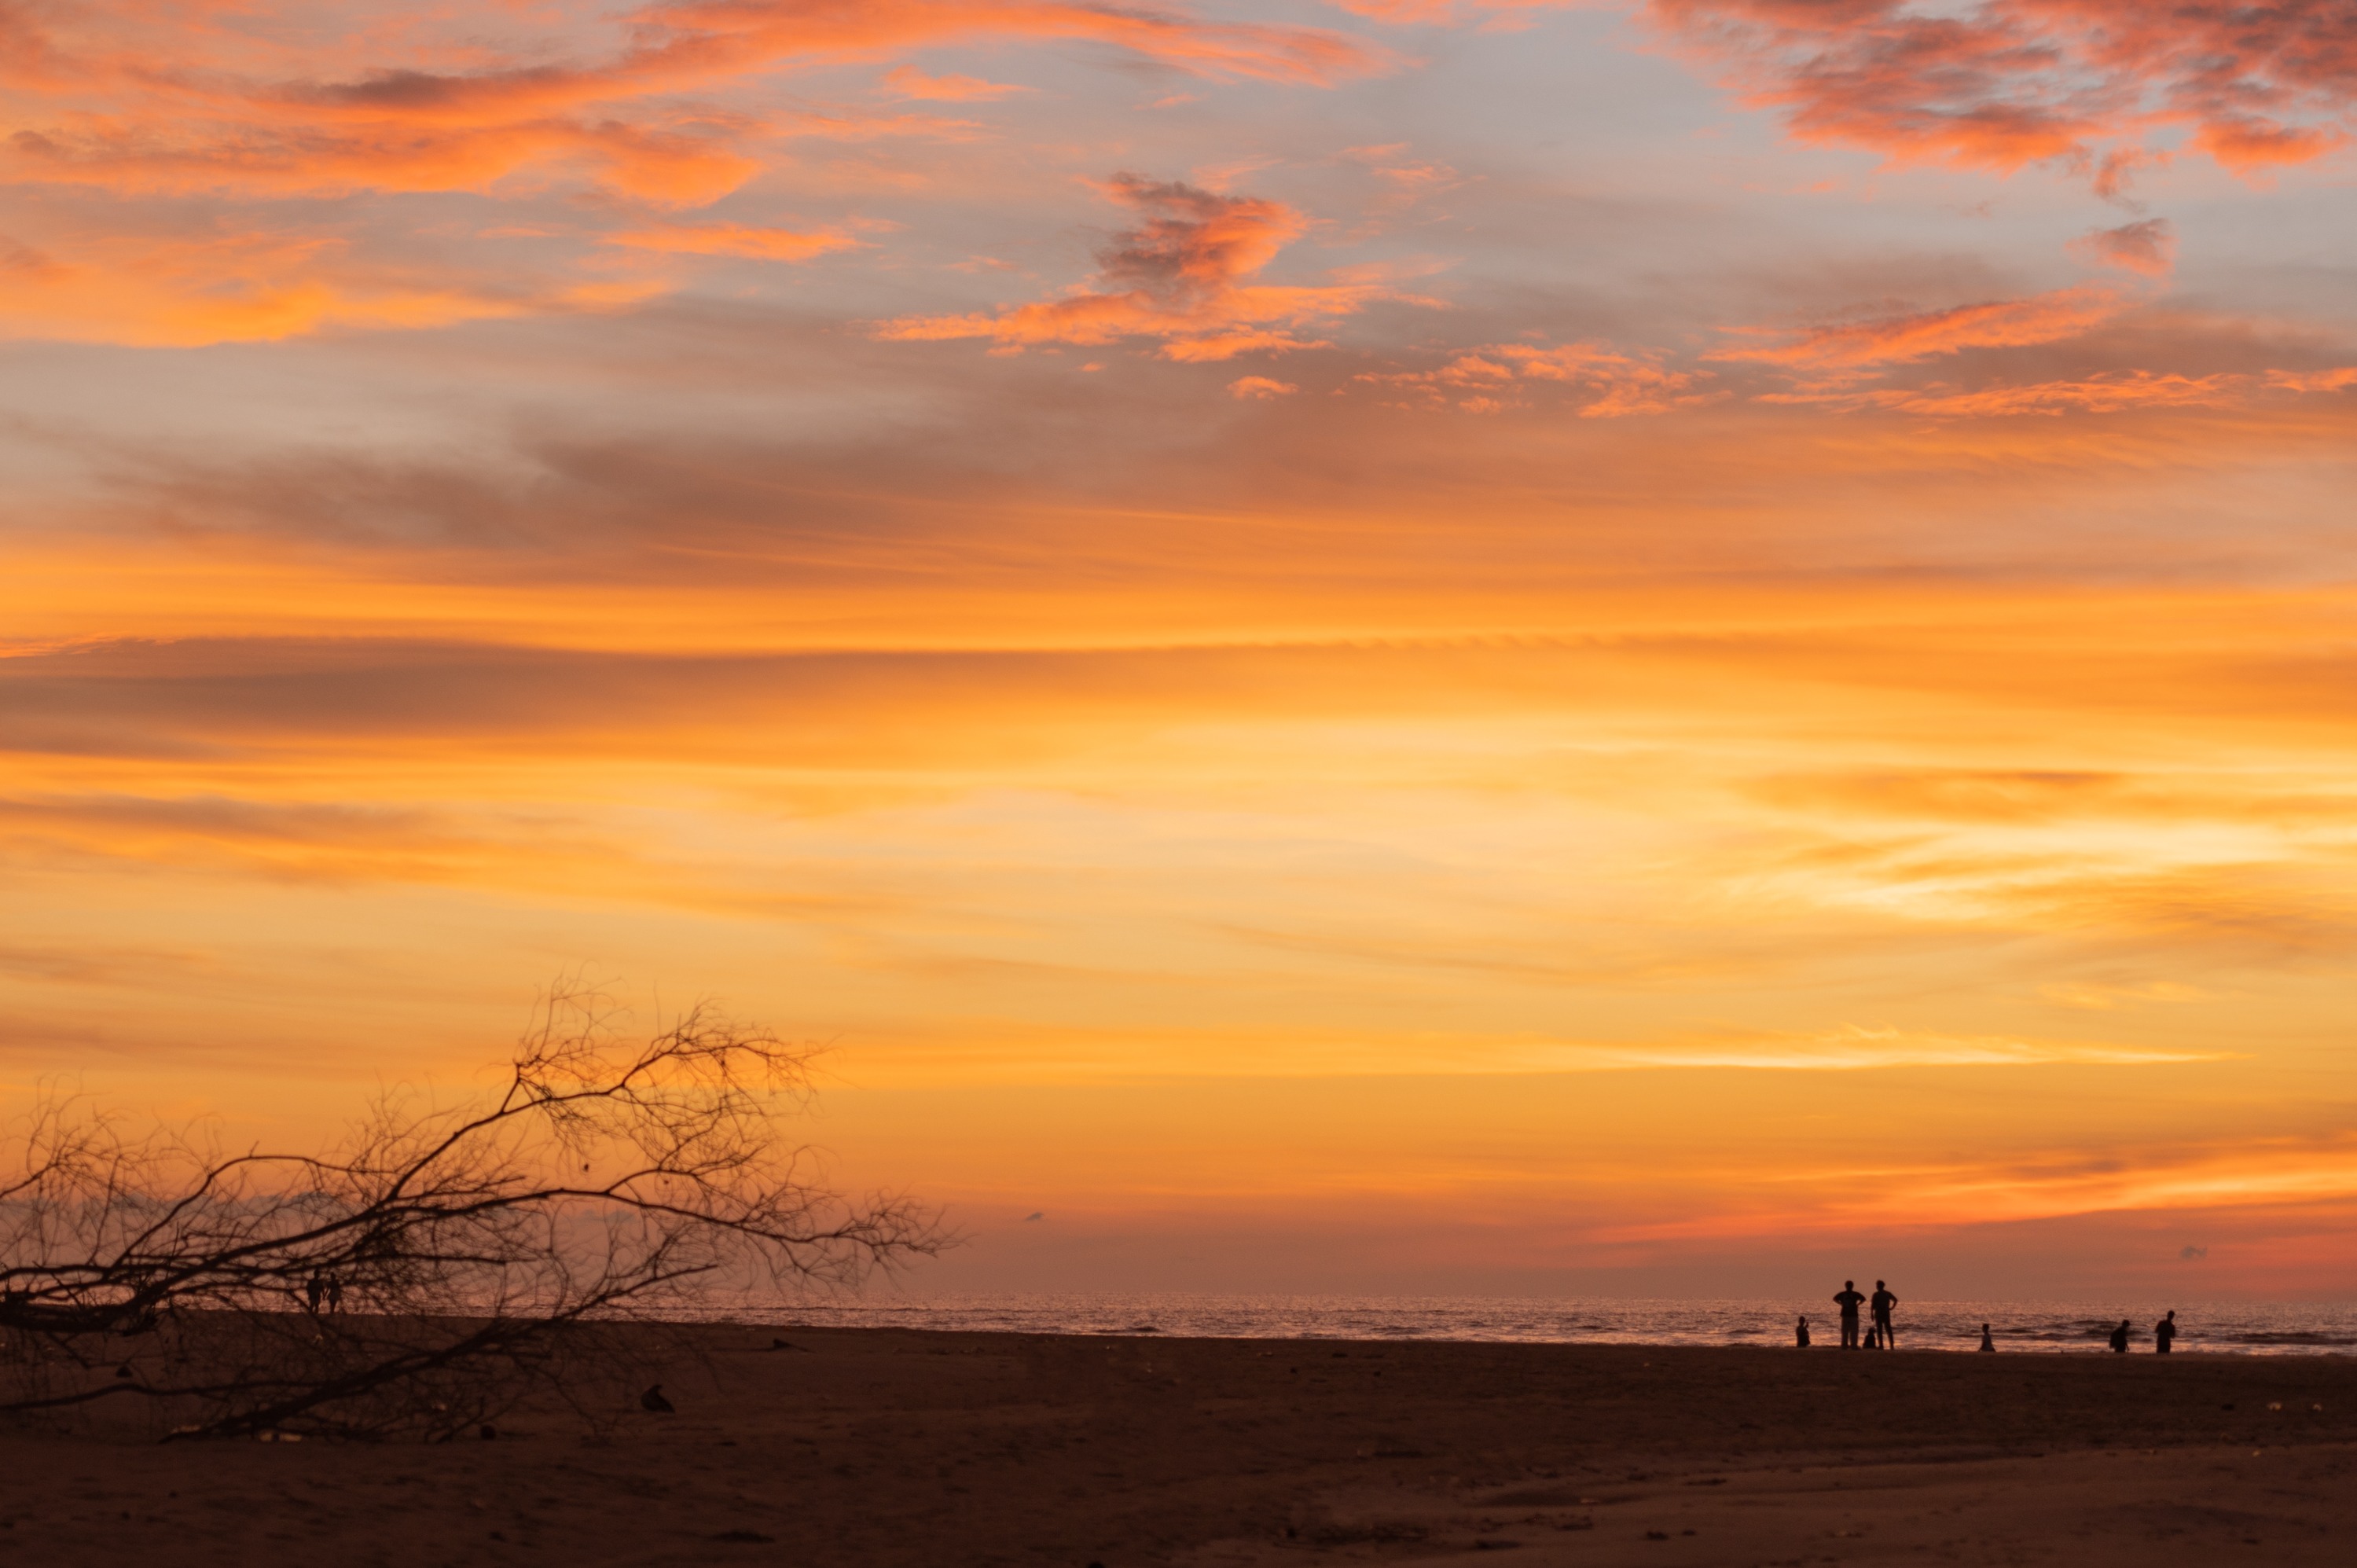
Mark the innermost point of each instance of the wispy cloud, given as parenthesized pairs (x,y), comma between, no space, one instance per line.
(1847,349)
(279,124)
(2147,249)
(907,81)
(745,240)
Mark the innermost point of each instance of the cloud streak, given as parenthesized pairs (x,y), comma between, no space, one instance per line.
(1849,349)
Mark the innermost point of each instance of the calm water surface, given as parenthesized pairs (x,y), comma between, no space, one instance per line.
(2240,1327)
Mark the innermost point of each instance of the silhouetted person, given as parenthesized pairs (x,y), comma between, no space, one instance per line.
(1986,1343)
(315,1290)
(1849,1301)
(2120,1338)
(2164,1333)
(1801,1333)
(335,1294)
(653,1399)
(1883,1301)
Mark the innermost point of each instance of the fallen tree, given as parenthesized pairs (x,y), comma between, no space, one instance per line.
(442,1264)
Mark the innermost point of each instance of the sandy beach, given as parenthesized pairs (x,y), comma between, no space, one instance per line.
(890,1447)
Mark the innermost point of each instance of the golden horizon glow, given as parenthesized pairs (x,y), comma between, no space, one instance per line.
(1472,643)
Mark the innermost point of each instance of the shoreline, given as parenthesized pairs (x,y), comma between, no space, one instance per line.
(2250,1329)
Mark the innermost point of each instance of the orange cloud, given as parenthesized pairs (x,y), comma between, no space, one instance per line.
(166,290)
(2000,84)
(1621,383)
(734,240)
(672,109)
(1182,275)
(1850,348)
(1261,386)
(230,102)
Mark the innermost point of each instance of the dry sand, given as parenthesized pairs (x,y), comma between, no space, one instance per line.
(885,1446)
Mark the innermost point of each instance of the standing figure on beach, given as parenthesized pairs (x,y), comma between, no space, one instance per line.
(1883,1301)
(1849,1301)
(1801,1333)
(2164,1333)
(1986,1343)
(2120,1338)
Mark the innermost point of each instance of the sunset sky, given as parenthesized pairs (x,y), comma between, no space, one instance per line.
(1404,646)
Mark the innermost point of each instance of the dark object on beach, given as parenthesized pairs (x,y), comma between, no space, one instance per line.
(1986,1343)
(1801,1333)
(653,1399)
(2120,1338)
(1657,1535)
(747,1537)
(123,1370)
(488,1433)
(423,1215)
(2164,1333)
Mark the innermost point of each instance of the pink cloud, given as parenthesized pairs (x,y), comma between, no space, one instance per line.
(1184,274)
(1264,388)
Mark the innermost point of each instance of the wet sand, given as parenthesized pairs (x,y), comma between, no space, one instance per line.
(889,1447)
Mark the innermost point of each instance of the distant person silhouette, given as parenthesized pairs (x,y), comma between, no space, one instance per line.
(1883,1301)
(2164,1333)
(1986,1343)
(1801,1333)
(653,1401)
(1849,1301)
(2120,1338)
(315,1290)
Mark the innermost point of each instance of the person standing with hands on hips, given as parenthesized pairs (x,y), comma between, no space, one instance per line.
(1849,1301)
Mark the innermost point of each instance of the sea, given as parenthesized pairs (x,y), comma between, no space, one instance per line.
(2240,1328)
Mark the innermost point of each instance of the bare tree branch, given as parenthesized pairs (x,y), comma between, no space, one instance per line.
(439,1263)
